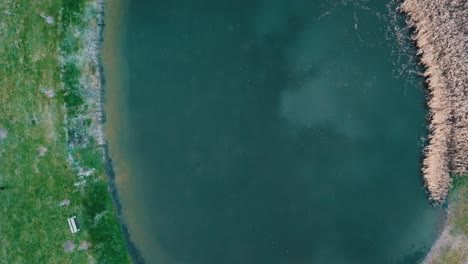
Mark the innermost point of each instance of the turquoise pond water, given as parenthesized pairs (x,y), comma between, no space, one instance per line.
(282,132)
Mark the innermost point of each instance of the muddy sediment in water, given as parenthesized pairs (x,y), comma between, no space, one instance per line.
(441,35)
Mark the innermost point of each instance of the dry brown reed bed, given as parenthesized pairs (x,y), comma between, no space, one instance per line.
(441,34)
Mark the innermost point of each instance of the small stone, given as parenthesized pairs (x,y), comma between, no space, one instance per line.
(80,183)
(48,93)
(86,173)
(69,246)
(42,151)
(84,245)
(48,19)
(65,202)
(3,133)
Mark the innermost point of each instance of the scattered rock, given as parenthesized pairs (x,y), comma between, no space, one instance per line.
(98,217)
(65,202)
(48,93)
(80,183)
(86,173)
(48,19)
(84,245)
(7,12)
(69,246)
(42,151)
(3,133)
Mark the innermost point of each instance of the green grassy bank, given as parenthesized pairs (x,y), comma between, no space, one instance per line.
(452,245)
(459,210)
(456,250)
(50,139)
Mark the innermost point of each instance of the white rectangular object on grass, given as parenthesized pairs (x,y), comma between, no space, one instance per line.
(72,224)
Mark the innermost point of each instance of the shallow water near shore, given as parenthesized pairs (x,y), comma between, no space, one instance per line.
(269,132)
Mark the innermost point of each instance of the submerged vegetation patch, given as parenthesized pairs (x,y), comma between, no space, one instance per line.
(52,147)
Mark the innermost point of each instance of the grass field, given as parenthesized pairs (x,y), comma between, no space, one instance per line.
(48,143)
(458,219)
(459,212)
(452,245)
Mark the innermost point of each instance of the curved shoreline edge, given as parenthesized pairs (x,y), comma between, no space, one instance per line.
(135,254)
(441,36)
(443,155)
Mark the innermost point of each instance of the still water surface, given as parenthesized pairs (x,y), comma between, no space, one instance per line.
(272,132)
